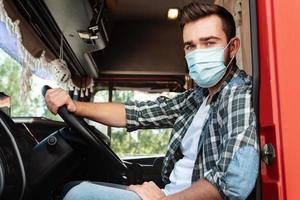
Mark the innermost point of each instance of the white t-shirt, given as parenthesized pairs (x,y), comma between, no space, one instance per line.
(181,175)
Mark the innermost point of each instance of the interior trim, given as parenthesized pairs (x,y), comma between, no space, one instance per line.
(256,79)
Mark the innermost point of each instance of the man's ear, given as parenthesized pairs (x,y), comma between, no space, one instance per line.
(234,46)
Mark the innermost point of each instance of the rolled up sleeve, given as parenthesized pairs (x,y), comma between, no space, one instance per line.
(239,179)
(236,170)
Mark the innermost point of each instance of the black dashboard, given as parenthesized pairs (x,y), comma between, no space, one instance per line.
(29,170)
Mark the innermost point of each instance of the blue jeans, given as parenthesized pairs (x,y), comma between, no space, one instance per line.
(90,191)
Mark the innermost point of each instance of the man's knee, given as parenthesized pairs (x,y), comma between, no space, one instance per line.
(80,191)
(90,191)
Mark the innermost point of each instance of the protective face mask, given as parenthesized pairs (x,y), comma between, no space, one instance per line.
(206,66)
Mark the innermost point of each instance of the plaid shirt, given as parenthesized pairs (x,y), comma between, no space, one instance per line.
(229,126)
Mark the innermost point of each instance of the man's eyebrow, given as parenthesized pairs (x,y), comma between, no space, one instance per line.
(202,40)
(209,38)
(187,43)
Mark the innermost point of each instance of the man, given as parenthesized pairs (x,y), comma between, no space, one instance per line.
(213,150)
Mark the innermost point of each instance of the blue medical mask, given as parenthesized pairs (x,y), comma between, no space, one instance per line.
(206,66)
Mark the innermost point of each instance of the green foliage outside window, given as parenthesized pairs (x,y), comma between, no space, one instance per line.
(140,143)
(137,143)
(10,84)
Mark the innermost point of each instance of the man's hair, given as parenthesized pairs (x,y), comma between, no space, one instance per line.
(198,10)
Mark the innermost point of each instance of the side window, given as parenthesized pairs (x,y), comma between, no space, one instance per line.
(10,84)
(148,142)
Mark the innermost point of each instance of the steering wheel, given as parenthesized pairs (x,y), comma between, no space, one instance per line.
(80,126)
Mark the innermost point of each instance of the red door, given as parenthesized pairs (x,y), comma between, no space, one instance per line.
(279,117)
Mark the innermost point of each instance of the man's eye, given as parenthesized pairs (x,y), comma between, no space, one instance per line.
(189,47)
(208,44)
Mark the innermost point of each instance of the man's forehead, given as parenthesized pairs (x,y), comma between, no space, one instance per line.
(203,28)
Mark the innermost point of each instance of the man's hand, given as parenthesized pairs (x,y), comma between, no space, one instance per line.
(111,114)
(201,189)
(55,98)
(148,191)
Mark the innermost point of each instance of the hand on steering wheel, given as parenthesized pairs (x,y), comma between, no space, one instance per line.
(80,126)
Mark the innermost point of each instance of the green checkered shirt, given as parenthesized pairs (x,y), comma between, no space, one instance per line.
(230,125)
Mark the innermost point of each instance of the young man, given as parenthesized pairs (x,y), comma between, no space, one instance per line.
(213,150)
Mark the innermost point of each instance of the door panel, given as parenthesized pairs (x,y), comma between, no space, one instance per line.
(269,129)
(279,32)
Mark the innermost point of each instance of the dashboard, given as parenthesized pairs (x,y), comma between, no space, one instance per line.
(33,171)
(29,170)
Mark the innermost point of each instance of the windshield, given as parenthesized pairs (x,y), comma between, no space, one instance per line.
(10,84)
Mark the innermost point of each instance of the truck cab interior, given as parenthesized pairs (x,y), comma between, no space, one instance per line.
(108,46)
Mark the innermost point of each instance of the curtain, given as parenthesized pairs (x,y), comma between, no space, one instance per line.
(19,41)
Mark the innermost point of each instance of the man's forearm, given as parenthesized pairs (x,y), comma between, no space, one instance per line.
(111,114)
(200,190)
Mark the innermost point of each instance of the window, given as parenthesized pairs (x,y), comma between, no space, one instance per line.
(148,142)
(10,84)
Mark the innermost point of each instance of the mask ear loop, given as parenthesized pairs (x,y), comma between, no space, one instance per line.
(233,55)
(231,60)
(228,44)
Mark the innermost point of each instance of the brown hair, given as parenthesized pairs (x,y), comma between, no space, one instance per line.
(198,10)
